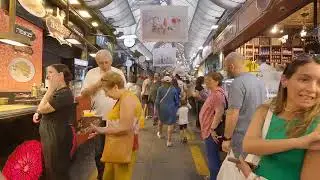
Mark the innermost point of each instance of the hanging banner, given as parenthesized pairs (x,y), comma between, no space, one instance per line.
(164,57)
(56,28)
(164,23)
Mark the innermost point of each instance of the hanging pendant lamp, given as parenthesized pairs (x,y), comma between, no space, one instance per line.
(11,37)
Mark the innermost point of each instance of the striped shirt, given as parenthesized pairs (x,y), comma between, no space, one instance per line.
(215,99)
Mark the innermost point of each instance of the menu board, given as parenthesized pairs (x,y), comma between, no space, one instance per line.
(21,67)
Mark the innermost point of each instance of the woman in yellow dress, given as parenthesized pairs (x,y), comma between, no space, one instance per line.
(123,119)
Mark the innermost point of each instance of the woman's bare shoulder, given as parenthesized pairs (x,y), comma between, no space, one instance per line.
(263,109)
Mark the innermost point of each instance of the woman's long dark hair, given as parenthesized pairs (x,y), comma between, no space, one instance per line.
(279,102)
(199,82)
(65,70)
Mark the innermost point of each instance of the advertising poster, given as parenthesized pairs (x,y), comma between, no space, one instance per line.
(163,57)
(164,23)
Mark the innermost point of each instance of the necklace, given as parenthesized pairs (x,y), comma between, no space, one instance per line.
(294,111)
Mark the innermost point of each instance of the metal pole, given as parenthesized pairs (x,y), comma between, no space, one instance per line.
(68,12)
(315,13)
(12,15)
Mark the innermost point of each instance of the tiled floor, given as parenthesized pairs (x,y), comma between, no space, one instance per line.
(157,162)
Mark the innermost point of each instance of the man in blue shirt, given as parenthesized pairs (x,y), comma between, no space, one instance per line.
(246,93)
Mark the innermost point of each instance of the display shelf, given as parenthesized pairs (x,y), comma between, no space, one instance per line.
(269,49)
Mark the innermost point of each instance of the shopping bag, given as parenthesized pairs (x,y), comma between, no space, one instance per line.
(118,149)
(229,170)
(142,121)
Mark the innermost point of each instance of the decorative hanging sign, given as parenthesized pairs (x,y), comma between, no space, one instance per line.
(56,28)
(27,33)
(164,57)
(164,23)
(34,7)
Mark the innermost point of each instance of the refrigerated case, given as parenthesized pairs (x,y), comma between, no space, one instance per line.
(80,70)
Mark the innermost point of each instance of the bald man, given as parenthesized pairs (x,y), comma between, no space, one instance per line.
(246,93)
(101,103)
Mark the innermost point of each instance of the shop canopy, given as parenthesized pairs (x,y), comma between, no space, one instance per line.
(203,15)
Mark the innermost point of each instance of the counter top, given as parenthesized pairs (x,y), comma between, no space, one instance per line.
(16,110)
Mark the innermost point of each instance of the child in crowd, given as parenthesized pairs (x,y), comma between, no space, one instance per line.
(183,119)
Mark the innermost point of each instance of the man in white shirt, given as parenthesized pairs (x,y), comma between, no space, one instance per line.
(99,101)
(271,78)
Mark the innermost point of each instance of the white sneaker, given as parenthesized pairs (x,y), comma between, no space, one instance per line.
(169,144)
(159,135)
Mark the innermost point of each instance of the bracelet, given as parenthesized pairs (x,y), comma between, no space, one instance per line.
(226,139)
(252,176)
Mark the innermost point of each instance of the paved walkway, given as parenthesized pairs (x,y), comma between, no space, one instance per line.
(155,161)
(181,162)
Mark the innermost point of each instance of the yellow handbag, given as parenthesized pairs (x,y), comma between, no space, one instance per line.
(118,149)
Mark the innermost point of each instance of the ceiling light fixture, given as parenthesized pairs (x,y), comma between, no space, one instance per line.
(95,24)
(73,2)
(274,29)
(73,41)
(303,32)
(214,26)
(11,37)
(284,38)
(133,36)
(84,13)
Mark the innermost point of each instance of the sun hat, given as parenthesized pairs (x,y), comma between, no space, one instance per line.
(167,79)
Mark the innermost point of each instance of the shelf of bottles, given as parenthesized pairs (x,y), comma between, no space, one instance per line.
(270,50)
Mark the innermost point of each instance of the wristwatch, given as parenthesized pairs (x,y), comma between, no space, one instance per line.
(226,139)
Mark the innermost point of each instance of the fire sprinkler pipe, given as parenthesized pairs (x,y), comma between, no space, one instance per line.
(12,15)
(315,13)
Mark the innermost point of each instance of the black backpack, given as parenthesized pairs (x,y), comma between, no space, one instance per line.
(220,129)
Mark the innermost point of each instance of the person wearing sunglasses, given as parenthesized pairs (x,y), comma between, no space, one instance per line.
(291,147)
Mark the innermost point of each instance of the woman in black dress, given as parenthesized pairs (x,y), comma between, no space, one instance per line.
(55,130)
(200,96)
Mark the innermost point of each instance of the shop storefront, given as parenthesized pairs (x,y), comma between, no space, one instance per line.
(21,69)
(271,36)
(22,73)
(252,20)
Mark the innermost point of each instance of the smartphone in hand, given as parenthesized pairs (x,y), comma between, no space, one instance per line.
(234,160)
(237,161)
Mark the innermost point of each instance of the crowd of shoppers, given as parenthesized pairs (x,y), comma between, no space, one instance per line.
(229,121)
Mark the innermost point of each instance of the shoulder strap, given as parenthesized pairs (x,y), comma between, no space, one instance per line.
(119,100)
(165,95)
(266,124)
(225,99)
